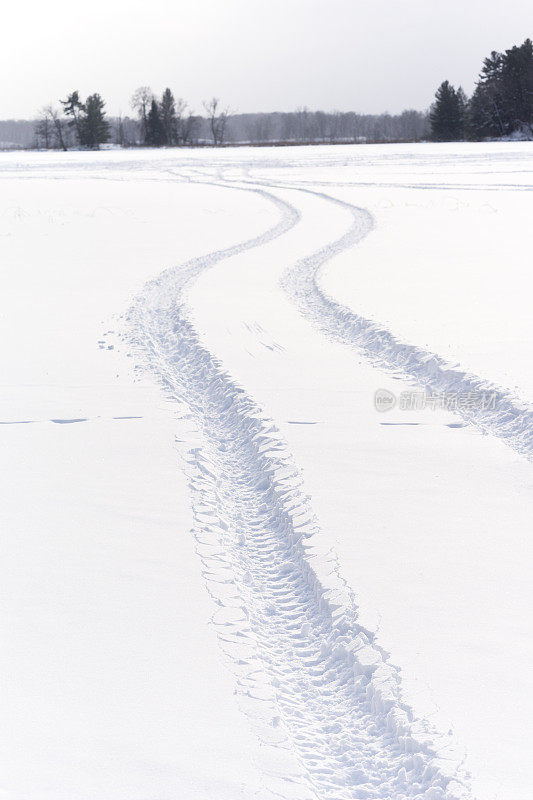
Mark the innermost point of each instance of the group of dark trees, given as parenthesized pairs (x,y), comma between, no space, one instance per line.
(84,121)
(160,122)
(502,103)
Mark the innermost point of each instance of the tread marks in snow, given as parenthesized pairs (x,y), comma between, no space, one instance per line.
(503,415)
(324,699)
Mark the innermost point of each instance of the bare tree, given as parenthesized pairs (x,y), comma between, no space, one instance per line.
(141,100)
(258,129)
(191,129)
(59,127)
(119,131)
(43,128)
(303,126)
(218,120)
(181,121)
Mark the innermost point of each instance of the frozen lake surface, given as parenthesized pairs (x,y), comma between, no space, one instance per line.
(226,574)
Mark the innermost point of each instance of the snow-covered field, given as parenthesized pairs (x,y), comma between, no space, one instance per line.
(225,574)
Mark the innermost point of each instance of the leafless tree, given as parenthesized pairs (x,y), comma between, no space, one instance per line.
(59,126)
(119,131)
(191,129)
(288,127)
(218,120)
(44,128)
(181,120)
(303,124)
(258,129)
(141,100)
(336,126)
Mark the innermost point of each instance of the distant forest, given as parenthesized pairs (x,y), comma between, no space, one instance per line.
(501,106)
(301,126)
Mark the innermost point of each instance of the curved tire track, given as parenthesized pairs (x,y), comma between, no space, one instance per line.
(322,693)
(504,415)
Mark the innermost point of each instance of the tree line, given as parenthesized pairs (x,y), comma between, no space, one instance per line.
(501,105)
(161,121)
(308,126)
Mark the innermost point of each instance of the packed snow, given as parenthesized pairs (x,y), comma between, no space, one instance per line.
(226,573)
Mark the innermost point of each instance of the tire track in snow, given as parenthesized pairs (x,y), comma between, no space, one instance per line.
(505,416)
(324,699)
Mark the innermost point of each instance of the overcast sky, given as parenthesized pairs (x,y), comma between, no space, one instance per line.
(257,55)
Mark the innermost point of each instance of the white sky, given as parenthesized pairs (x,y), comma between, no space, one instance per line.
(257,55)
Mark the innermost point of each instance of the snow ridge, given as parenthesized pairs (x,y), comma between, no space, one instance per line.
(504,416)
(325,700)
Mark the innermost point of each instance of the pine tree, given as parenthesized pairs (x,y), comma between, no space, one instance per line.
(94,126)
(503,100)
(463,102)
(447,115)
(73,107)
(168,117)
(155,133)
(487,108)
(517,86)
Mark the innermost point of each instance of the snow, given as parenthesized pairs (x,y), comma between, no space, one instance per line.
(111,680)
(367,574)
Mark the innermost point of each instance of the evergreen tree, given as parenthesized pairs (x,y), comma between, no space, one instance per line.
(486,116)
(517,86)
(447,116)
(94,126)
(462,100)
(73,107)
(503,100)
(168,117)
(155,133)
